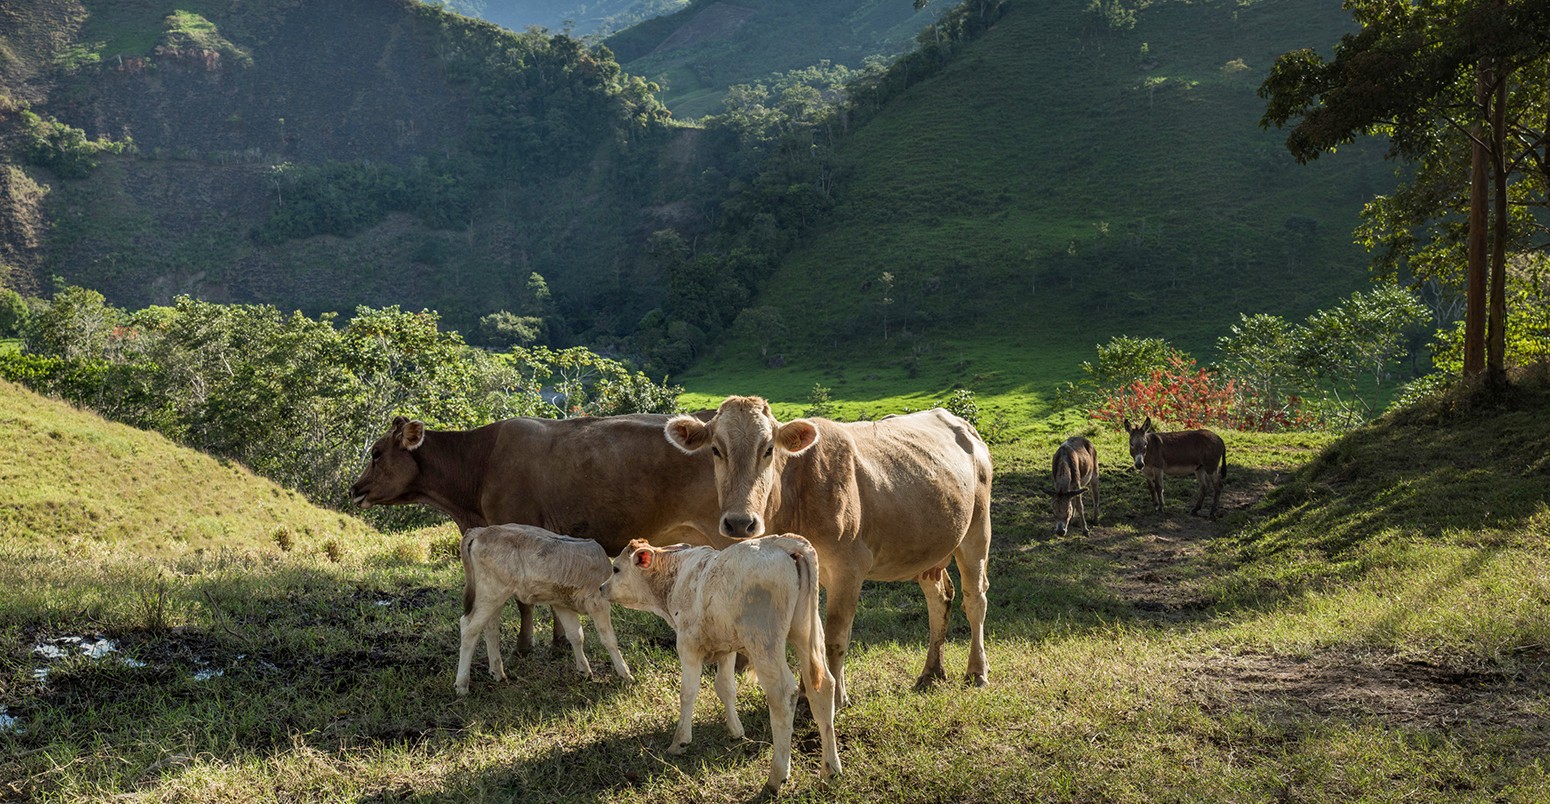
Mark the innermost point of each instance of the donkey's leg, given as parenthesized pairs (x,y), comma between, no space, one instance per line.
(1216,493)
(1203,481)
(1154,483)
(1081,509)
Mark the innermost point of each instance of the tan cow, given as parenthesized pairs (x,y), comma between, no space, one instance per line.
(755,596)
(605,478)
(890,500)
(535,566)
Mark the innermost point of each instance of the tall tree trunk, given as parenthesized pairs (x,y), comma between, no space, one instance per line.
(1474,284)
(1496,323)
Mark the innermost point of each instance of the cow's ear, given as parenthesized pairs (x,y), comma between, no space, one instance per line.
(797,436)
(687,433)
(642,558)
(413,435)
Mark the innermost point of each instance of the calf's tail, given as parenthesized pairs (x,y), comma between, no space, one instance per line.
(810,653)
(470,591)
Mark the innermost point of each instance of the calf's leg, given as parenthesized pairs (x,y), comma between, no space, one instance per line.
(570,620)
(726,690)
(688,688)
(780,690)
(483,619)
(602,620)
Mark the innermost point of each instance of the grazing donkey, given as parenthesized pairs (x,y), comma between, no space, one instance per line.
(1075,469)
(535,566)
(1197,452)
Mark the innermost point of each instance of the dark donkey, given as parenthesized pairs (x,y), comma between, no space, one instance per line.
(1197,452)
(1075,469)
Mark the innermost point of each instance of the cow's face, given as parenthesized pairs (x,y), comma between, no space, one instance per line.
(747,446)
(1138,440)
(630,584)
(391,468)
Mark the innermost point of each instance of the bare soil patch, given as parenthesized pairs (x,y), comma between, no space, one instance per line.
(1392,692)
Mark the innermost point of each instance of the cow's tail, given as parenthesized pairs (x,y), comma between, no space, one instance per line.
(470,590)
(809,621)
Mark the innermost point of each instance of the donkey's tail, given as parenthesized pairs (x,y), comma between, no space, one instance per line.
(1224,464)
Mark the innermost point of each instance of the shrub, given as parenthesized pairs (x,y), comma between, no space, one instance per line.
(1189,396)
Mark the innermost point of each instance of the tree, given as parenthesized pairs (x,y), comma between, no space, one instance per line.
(1432,76)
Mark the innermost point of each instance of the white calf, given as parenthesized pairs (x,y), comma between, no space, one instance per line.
(535,566)
(754,597)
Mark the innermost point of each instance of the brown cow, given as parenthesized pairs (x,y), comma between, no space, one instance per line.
(1197,452)
(606,478)
(1075,470)
(890,500)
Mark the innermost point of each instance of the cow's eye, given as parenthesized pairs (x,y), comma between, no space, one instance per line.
(616,570)
(716,452)
(770,450)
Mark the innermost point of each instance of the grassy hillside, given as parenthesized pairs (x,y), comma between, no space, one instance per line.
(1368,620)
(74,481)
(582,18)
(1053,186)
(709,45)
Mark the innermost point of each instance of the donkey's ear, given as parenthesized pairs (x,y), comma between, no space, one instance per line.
(1050,492)
(1147,425)
(1128,425)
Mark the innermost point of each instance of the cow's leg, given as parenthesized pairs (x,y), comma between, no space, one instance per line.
(939,597)
(973,556)
(483,619)
(726,690)
(780,690)
(525,633)
(570,620)
(688,688)
(844,593)
(602,620)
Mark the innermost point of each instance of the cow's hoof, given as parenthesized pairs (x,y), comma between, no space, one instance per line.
(677,748)
(461,689)
(929,680)
(976,679)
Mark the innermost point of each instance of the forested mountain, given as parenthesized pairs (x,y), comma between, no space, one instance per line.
(327,154)
(579,17)
(1067,177)
(1034,175)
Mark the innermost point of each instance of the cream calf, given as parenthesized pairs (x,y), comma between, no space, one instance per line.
(755,596)
(535,566)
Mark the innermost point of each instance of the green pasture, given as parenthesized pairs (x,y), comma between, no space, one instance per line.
(1366,621)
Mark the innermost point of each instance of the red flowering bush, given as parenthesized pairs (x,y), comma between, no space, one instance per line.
(1185,395)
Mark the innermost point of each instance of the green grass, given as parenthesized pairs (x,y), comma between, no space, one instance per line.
(1359,625)
(73,480)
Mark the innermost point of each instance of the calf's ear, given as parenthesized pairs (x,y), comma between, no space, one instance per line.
(642,558)
(687,433)
(412,435)
(796,437)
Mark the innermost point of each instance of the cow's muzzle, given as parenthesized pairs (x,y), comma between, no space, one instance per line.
(741,526)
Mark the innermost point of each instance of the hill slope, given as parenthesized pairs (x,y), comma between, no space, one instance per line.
(581,17)
(1058,183)
(71,477)
(699,51)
